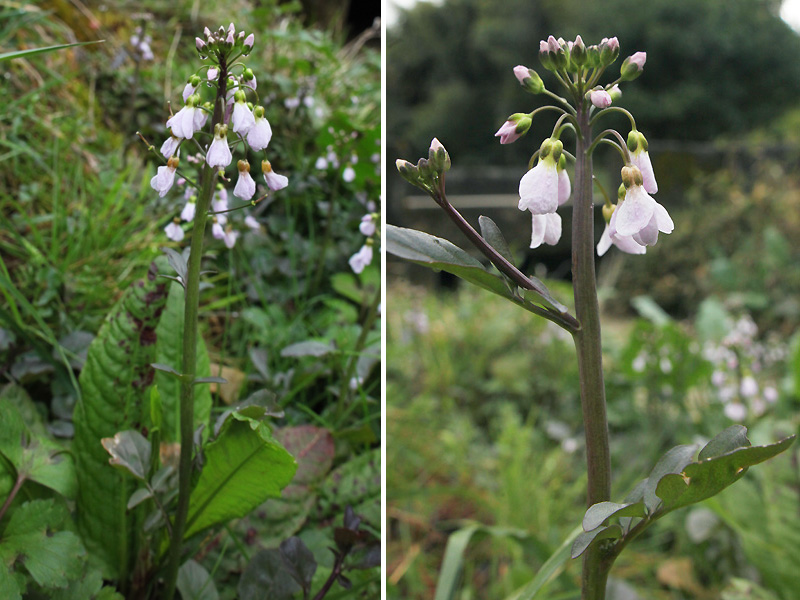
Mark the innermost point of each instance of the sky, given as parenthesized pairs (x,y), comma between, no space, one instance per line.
(790,11)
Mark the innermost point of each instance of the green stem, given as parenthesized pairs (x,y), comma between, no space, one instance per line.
(590,359)
(192,299)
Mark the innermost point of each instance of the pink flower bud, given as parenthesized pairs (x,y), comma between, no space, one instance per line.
(613,43)
(521,73)
(199,43)
(639,59)
(508,133)
(600,98)
(248,41)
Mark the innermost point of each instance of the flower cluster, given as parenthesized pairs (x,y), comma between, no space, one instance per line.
(141,45)
(235,121)
(369,227)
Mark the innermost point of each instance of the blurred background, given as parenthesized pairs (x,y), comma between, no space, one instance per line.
(483,411)
(282,310)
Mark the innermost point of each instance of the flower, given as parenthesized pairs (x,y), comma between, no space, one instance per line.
(162,181)
(600,98)
(538,188)
(219,155)
(216,230)
(517,125)
(245,186)
(361,259)
(170,146)
(174,231)
(639,216)
(212,73)
(191,87)
(187,214)
(229,237)
(187,120)
(250,221)
(349,174)
(367,225)
(632,66)
(274,181)
(624,243)
(259,135)
(321,164)
(564,185)
(546,229)
(242,118)
(248,41)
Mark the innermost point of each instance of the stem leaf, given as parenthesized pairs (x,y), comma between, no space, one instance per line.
(492,234)
(586,539)
(598,513)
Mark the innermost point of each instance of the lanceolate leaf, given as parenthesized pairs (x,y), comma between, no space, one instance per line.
(129,451)
(597,513)
(244,466)
(492,234)
(114,397)
(169,350)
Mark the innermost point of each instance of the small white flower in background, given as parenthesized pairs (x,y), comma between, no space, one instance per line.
(718,378)
(321,164)
(749,387)
(187,214)
(308,101)
(219,155)
(162,181)
(367,225)
(291,103)
(361,259)
(735,411)
(242,118)
(216,229)
(666,365)
(639,363)
(274,181)
(356,382)
(259,135)
(170,146)
(538,188)
(349,174)
(569,445)
(546,229)
(174,231)
(250,221)
(770,394)
(229,237)
(245,185)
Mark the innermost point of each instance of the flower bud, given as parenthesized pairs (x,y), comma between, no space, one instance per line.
(408,171)
(593,57)
(577,54)
(515,126)
(248,43)
(609,51)
(438,156)
(529,79)
(424,168)
(621,192)
(608,209)
(615,92)
(632,66)
(631,176)
(600,98)
(557,53)
(544,56)
(200,44)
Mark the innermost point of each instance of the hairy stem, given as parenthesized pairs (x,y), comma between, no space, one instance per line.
(192,297)
(590,359)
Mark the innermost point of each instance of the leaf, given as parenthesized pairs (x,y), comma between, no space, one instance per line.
(129,451)
(52,558)
(194,582)
(266,577)
(177,262)
(356,483)
(548,569)
(299,561)
(706,478)
(138,497)
(308,348)
(732,438)
(673,461)
(35,457)
(492,234)
(34,51)
(453,561)
(244,466)
(586,539)
(169,351)
(114,397)
(439,254)
(598,513)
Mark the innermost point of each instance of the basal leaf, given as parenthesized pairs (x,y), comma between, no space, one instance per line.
(244,465)
(114,397)
(266,577)
(356,483)
(34,51)
(129,451)
(169,351)
(194,582)
(598,513)
(586,539)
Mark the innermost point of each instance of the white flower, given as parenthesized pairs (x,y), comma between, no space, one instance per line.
(624,243)
(250,221)
(174,231)
(187,214)
(564,186)
(367,225)
(349,174)
(637,144)
(538,188)
(184,122)
(361,259)
(245,186)
(170,146)
(748,387)
(640,217)
(274,181)
(219,155)
(212,73)
(217,231)
(162,181)
(219,204)
(291,103)
(188,90)
(242,118)
(259,135)
(546,229)
(321,164)
(229,237)
(735,411)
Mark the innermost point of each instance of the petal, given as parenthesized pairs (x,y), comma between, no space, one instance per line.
(642,160)
(538,189)
(553,231)
(564,187)
(539,229)
(605,242)
(628,244)
(663,219)
(635,212)
(648,235)
(259,135)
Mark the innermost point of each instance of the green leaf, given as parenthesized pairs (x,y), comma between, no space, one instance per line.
(356,483)
(89,587)
(52,558)
(706,478)
(35,457)
(548,569)
(10,587)
(114,397)
(129,451)
(308,348)
(266,577)
(33,51)
(244,466)
(453,561)
(194,582)
(169,351)
(138,497)
(732,438)
(492,234)
(598,513)
(672,462)
(586,539)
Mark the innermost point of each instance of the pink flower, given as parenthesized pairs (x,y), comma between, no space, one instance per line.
(162,181)
(274,181)
(508,133)
(259,135)
(182,123)
(242,118)
(521,73)
(219,155)
(174,231)
(624,243)
(248,41)
(640,217)
(632,66)
(367,225)
(170,146)
(361,259)
(250,221)
(187,214)
(189,90)
(245,185)
(538,188)
(600,98)
(546,229)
